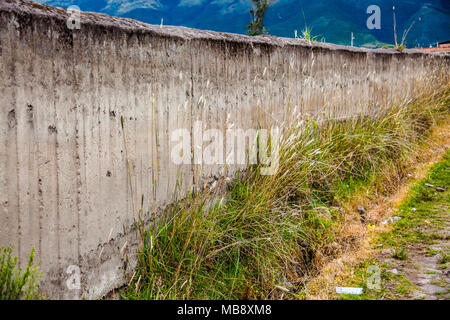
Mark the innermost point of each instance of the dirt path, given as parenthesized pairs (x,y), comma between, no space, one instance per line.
(410,254)
(420,244)
(429,278)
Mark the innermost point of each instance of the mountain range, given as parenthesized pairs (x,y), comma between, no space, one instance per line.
(331,20)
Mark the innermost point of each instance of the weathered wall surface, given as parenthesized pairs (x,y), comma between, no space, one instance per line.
(65,186)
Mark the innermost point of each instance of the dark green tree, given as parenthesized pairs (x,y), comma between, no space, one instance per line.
(256,26)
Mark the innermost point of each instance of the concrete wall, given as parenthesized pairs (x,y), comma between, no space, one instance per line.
(65,186)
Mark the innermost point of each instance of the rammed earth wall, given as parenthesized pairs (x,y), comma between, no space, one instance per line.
(65,185)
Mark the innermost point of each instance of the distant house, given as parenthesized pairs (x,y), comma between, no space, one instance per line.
(440,47)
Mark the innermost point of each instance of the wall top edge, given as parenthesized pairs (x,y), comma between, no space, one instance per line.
(29,8)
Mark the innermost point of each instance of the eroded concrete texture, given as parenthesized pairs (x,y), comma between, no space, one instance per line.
(64,179)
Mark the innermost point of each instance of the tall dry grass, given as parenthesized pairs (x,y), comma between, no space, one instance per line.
(262,238)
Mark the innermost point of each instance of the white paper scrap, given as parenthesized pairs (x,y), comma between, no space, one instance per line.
(349,290)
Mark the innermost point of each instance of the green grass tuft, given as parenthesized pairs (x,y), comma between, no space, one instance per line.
(15,284)
(400,254)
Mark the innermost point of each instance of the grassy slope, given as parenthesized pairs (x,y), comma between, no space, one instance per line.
(273,232)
